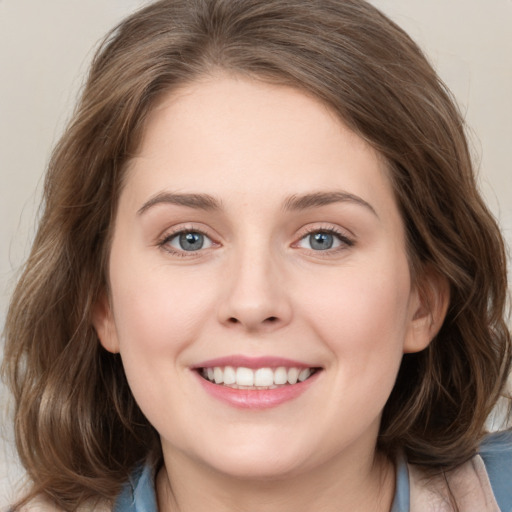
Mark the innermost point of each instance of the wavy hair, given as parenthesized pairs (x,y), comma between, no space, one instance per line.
(79,432)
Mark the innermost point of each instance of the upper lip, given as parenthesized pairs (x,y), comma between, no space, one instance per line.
(252,362)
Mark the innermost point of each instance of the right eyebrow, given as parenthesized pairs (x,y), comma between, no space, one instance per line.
(198,201)
(318,199)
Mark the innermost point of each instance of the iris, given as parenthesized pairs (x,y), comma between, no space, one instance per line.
(191,241)
(321,241)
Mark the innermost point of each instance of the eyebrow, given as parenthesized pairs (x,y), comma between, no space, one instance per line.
(318,199)
(293,203)
(197,201)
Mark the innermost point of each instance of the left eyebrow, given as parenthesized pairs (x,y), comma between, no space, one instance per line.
(318,199)
(198,201)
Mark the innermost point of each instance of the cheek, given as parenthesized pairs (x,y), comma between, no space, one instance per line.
(154,322)
(158,316)
(363,314)
(156,310)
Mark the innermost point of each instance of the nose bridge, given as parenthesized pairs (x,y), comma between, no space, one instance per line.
(255,296)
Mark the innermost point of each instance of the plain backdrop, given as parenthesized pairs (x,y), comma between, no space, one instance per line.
(45,47)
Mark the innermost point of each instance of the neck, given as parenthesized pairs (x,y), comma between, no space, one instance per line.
(338,485)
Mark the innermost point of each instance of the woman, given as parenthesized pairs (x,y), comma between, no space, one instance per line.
(264,277)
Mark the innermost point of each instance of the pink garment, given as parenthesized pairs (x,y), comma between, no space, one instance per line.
(468,486)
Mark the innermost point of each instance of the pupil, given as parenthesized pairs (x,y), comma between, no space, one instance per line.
(321,241)
(191,241)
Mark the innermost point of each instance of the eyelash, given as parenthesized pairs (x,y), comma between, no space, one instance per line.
(345,241)
(164,241)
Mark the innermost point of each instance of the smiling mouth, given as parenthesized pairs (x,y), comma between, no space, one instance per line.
(257,379)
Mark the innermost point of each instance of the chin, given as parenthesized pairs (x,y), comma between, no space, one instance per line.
(259,461)
(270,469)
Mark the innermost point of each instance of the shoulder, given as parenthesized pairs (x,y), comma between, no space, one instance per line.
(42,504)
(465,488)
(483,483)
(496,452)
(137,494)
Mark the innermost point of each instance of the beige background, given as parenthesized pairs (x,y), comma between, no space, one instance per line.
(44,50)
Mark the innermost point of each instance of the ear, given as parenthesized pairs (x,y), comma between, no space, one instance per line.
(429,302)
(104,324)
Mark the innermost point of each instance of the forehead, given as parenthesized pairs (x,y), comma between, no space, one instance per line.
(233,135)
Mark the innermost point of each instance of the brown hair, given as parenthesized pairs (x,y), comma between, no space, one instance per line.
(79,431)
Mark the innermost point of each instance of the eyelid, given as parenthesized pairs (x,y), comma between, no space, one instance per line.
(171,233)
(347,239)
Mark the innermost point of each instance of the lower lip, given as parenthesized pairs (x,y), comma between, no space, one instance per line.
(254,398)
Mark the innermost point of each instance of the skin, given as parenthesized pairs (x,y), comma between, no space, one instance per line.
(258,288)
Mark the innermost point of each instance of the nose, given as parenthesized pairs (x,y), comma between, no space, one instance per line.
(255,297)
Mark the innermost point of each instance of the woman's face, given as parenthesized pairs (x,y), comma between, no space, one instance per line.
(258,242)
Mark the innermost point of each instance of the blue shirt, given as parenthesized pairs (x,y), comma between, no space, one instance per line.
(138,495)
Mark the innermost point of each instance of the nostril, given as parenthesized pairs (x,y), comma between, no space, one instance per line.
(269,320)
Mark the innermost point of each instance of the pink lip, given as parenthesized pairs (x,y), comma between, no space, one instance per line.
(253,398)
(252,362)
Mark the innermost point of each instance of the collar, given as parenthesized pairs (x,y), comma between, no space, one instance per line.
(468,485)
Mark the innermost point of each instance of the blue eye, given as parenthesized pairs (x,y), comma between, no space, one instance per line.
(323,240)
(189,241)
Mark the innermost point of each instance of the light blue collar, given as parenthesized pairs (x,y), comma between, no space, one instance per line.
(138,495)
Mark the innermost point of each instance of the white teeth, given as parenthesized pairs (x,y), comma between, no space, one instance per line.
(304,374)
(218,375)
(280,376)
(244,376)
(293,375)
(229,375)
(265,378)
